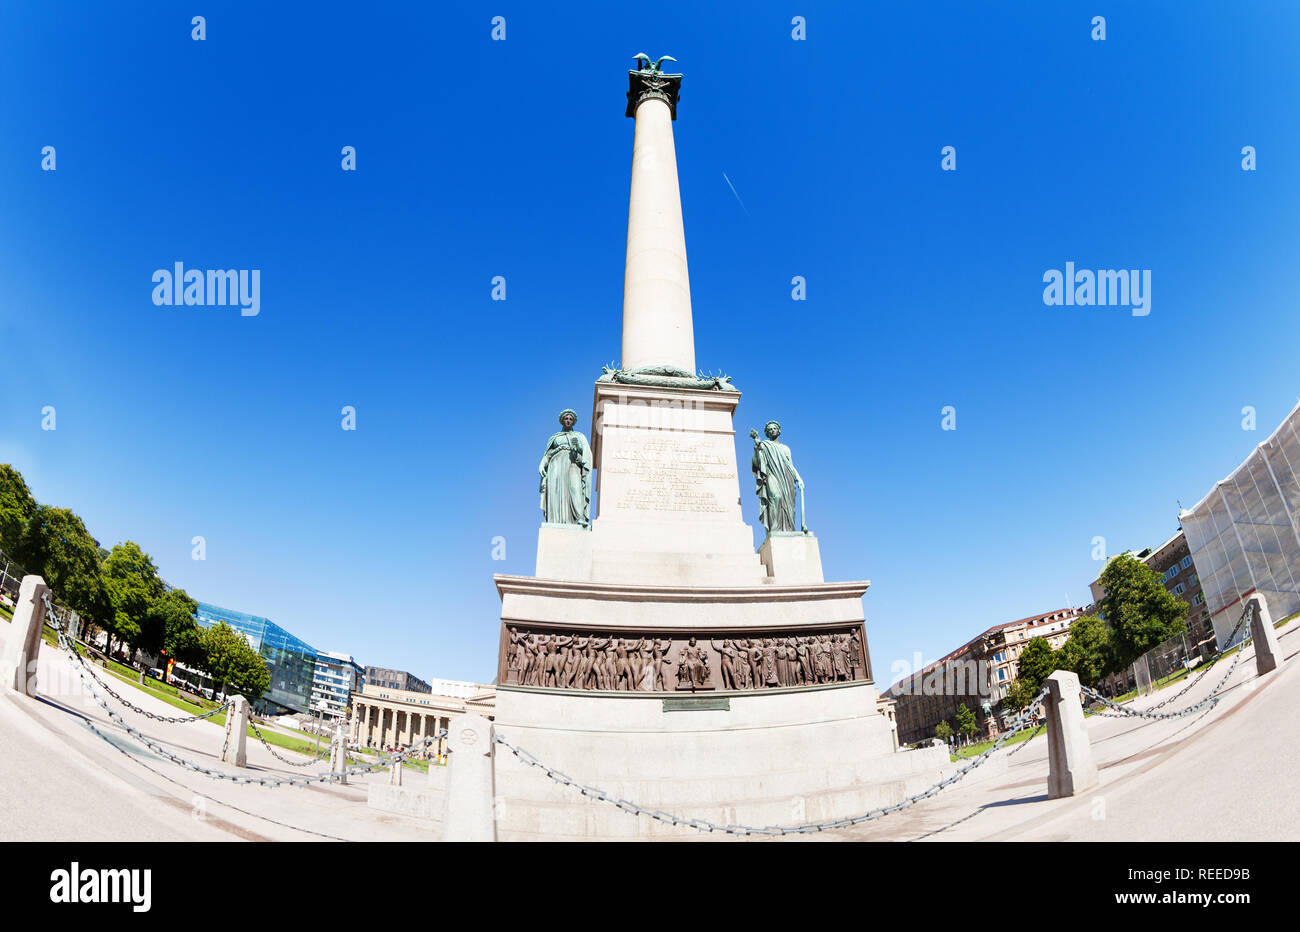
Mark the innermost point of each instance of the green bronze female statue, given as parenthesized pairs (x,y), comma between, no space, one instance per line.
(565,475)
(777,480)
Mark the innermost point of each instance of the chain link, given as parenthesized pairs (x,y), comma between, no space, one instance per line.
(292,763)
(703,825)
(1212,699)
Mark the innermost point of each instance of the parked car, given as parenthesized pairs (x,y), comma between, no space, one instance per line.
(157,673)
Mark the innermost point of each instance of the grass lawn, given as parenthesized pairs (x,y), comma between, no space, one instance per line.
(975,750)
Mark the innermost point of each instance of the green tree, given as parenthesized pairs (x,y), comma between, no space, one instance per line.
(132,583)
(232,663)
(17,507)
(56,544)
(966,723)
(169,626)
(1140,611)
(943,731)
(1037,662)
(1088,650)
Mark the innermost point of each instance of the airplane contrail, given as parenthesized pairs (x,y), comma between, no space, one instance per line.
(733,191)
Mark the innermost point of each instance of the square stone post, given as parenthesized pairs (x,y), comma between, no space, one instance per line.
(467,813)
(235,751)
(1069,754)
(1267,652)
(339,755)
(23,643)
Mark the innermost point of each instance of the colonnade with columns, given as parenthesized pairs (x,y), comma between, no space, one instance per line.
(381,725)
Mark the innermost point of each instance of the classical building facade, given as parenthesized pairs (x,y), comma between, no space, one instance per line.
(977,675)
(386,718)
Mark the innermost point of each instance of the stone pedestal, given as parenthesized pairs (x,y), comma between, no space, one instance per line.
(1069,753)
(791,559)
(23,639)
(467,813)
(563,552)
(235,751)
(339,755)
(1263,635)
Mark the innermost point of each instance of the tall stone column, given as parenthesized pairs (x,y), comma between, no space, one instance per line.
(657,329)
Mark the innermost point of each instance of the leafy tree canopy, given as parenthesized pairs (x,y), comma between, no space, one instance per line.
(169,625)
(56,544)
(17,506)
(943,731)
(966,723)
(132,583)
(1088,652)
(232,663)
(1141,612)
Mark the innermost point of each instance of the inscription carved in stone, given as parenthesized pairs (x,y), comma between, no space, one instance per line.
(671,472)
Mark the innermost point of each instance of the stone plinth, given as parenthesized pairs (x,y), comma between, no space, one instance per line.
(468,804)
(233,749)
(785,758)
(1263,635)
(23,640)
(563,552)
(791,559)
(668,489)
(1069,753)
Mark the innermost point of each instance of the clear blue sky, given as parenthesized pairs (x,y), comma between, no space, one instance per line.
(479,158)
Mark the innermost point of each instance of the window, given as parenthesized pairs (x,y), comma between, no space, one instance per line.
(1187,561)
(1179,589)
(1000,657)
(1002,675)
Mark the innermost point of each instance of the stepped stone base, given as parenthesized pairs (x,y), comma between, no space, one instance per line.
(772,758)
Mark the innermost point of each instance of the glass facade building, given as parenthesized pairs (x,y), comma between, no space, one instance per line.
(1245,535)
(291,662)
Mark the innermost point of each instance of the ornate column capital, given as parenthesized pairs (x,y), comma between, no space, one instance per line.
(645,84)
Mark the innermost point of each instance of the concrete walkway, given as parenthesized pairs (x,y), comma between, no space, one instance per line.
(68,772)
(1223,775)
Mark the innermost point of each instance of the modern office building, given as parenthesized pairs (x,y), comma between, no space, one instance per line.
(396,679)
(291,662)
(337,676)
(1244,536)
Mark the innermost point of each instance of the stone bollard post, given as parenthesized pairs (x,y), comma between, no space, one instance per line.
(1267,652)
(236,733)
(467,802)
(1069,754)
(23,643)
(339,756)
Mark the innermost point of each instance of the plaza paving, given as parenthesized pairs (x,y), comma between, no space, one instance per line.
(70,773)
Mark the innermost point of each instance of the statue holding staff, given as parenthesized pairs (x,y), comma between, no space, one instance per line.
(777,481)
(565,475)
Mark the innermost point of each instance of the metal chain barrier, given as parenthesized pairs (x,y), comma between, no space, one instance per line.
(703,825)
(1245,612)
(1210,700)
(292,763)
(170,719)
(383,764)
